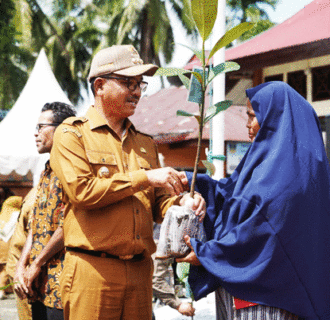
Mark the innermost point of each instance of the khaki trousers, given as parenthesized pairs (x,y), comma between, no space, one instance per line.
(4,277)
(23,309)
(105,288)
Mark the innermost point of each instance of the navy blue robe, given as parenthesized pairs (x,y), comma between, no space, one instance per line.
(268,225)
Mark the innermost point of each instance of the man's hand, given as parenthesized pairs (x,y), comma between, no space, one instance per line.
(20,287)
(31,274)
(186,309)
(167,178)
(199,204)
(191,257)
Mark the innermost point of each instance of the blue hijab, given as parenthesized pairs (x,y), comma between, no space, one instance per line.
(268,225)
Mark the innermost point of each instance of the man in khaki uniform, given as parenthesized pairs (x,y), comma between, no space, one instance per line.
(8,217)
(15,249)
(110,174)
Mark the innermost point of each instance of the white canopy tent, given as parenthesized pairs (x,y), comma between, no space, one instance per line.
(18,152)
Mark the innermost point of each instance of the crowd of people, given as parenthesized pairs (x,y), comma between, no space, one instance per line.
(83,239)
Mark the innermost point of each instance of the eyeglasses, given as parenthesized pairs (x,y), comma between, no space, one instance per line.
(40,126)
(131,83)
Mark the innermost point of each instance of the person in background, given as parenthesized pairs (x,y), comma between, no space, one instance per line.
(41,261)
(268,224)
(8,217)
(15,249)
(110,173)
(5,193)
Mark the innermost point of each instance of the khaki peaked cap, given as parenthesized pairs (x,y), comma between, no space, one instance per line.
(123,60)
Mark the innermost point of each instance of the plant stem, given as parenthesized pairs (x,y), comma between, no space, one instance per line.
(201,126)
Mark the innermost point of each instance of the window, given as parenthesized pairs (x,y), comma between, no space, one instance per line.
(321,83)
(278,77)
(298,81)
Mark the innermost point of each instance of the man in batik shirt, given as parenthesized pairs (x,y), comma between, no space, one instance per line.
(42,257)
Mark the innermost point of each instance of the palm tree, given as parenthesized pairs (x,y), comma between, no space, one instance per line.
(147,25)
(15,60)
(252,11)
(245,9)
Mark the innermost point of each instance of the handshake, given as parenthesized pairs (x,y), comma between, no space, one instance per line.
(176,183)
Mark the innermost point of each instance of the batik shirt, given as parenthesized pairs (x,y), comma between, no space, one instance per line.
(46,217)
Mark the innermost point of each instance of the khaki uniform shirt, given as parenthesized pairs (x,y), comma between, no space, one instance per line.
(112,206)
(21,232)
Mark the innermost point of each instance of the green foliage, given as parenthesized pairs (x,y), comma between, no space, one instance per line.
(210,167)
(252,11)
(184,80)
(169,72)
(12,75)
(204,14)
(221,68)
(230,36)
(7,286)
(218,107)
(182,270)
(259,27)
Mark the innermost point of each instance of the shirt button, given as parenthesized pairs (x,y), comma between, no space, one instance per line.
(103,160)
(137,211)
(137,237)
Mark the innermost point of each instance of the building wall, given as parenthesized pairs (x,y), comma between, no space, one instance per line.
(182,155)
(321,107)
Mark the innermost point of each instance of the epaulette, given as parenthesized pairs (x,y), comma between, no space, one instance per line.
(145,134)
(72,130)
(73,120)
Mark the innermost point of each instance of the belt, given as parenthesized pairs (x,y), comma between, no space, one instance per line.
(137,257)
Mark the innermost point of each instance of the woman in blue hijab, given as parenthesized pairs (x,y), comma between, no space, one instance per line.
(268,225)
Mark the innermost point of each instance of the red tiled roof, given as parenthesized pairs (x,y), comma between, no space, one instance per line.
(156,116)
(310,24)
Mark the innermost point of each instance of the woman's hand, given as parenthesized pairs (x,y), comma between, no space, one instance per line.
(191,257)
(198,205)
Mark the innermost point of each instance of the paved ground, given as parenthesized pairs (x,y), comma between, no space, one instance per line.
(8,308)
(205,310)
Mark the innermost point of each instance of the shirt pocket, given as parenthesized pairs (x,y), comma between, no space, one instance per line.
(144,163)
(103,164)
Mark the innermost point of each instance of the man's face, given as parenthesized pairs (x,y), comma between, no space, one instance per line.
(44,136)
(117,99)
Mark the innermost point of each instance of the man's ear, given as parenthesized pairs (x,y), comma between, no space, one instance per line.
(99,85)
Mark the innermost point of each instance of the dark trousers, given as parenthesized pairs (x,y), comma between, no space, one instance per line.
(41,312)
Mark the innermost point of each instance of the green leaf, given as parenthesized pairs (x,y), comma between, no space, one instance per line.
(169,72)
(198,76)
(223,67)
(218,107)
(198,53)
(204,13)
(188,114)
(209,166)
(230,36)
(182,270)
(7,286)
(185,80)
(184,113)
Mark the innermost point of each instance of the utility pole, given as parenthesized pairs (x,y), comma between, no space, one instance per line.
(218,122)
